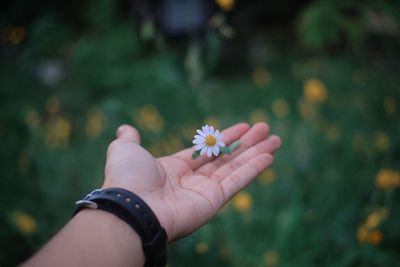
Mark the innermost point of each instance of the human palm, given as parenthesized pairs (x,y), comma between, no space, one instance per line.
(183,193)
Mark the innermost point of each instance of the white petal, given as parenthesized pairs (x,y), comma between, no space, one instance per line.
(215,150)
(201,133)
(204,128)
(209,152)
(220,143)
(220,136)
(203,150)
(198,136)
(212,129)
(199,146)
(198,141)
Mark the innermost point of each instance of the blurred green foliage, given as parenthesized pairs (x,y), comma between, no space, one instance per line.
(325,24)
(331,198)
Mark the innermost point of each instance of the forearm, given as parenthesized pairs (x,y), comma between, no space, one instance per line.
(92,238)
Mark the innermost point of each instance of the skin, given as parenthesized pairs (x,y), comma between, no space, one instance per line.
(183,193)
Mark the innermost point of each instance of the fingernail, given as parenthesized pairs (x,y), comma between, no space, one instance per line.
(120,130)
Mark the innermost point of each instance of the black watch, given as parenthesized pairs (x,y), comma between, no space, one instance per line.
(135,212)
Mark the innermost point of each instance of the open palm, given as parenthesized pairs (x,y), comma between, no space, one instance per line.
(183,193)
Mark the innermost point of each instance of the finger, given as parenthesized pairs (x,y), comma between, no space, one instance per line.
(256,134)
(269,146)
(128,133)
(245,174)
(230,135)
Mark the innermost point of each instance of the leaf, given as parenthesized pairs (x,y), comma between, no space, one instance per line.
(222,149)
(234,146)
(225,150)
(196,154)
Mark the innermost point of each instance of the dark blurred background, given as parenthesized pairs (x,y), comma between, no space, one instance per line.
(324,75)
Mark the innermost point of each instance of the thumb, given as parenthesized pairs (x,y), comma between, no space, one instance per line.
(128,133)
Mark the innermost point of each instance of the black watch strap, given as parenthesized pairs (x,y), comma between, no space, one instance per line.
(134,211)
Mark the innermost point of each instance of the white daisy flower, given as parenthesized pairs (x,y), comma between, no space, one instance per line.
(208,141)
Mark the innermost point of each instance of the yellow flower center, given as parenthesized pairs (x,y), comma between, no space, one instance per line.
(210,140)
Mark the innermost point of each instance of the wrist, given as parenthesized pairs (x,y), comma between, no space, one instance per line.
(110,235)
(135,212)
(92,238)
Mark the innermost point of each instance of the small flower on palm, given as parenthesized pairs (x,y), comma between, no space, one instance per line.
(208,141)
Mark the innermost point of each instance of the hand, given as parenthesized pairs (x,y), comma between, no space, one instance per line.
(184,193)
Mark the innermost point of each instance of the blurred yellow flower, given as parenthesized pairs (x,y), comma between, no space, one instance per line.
(227,31)
(226,5)
(53,105)
(32,119)
(25,223)
(360,102)
(15,35)
(281,108)
(389,105)
(24,163)
(148,118)
(94,123)
(188,131)
(57,132)
(366,236)
(375,237)
(333,133)
(387,179)
(258,115)
(267,177)
(359,143)
(307,110)
(362,234)
(201,248)
(212,121)
(217,20)
(381,141)
(261,77)
(315,91)
(376,217)
(271,258)
(224,251)
(172,144)
(242,201)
